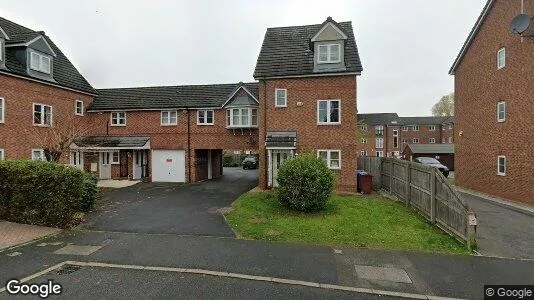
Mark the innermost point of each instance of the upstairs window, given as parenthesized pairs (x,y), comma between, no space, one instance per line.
(280,98)
(501,111)
(79,108)
(363,140)
(379,129)
(379,143)
(330,53)
(42,115)
(118,118)
(242,117)
(39,62)
(405,141)
(363,127)
(2,110)
(332,158)
(501,58)
(432,128)
(328,112)
(169,118)
(501,165)
(450,139)
(415,127)
(363,153)
(405,128)
(432,141)
(415,141)
(205,117)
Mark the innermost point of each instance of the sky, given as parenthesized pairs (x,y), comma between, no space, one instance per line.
(406,46)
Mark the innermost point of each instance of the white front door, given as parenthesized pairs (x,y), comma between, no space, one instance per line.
(76,159)
(138,158)
(105,165)
(277,157)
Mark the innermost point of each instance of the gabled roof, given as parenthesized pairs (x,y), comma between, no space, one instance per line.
(288,51)
(164,97)
(325,24)
(431,148)
(31,41)
(64,73)
(471,36)
(241,86)
(379,119)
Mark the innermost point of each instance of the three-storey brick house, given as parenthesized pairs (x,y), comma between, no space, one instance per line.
(494,105)
(307,92)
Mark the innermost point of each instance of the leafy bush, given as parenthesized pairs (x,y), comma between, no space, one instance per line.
(90,191)
(305,183)
(42,193)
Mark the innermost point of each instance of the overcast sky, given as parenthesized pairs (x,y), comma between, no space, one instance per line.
(406,46)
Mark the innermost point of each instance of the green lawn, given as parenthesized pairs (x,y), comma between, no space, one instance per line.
(356,221)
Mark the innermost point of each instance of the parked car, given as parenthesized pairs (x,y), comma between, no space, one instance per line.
(250,162)
(430,161)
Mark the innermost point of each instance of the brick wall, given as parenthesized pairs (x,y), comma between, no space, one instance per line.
(303,120)
(478,88)
(18,135)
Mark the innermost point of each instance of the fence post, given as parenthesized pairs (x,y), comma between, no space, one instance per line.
(433,195)
(471,231)
(408,182)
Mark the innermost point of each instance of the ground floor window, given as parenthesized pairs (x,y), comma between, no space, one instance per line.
(363,153)
(379,153)
(38,154)
(501,165)
(1,154)
(115,158)
(332,158)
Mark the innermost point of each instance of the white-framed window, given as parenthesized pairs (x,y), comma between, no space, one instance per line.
(328,112)
(363,127)
(242,117)
(501,58)
(432,141)
(379,129)
(329,53)
(332,158)
(78,108)
(415,141)
(42,114)
(501,111)
(443,140)
(280,97)
(395,138)
(415,127)
(379,143)
(2,154)
(118,118)
(38,154)
(169,117)
(40,62)
(432,127)
(405,128)
(363,140)
(115,158)
(405,141)
(363,153)
(379,153)
(205,117)
(501,165)
(2,110)
(450,139)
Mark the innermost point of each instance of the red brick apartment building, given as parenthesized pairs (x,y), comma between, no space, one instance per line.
(494,103)
(307,91)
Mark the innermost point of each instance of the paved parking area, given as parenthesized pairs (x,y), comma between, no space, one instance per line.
(188,209)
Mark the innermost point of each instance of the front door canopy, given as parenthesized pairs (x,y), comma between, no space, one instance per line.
(111,143)
(281,140)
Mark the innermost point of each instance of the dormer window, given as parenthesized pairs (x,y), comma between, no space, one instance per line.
(40,62)
(329,53)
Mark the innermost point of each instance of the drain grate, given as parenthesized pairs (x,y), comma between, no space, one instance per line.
(68,269)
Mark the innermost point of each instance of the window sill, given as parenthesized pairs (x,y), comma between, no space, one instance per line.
(117,125)
(205,124)
(41,125)
(81,115)
(169,125)
(501,174)
(328,123)
(280,106)
(241,127)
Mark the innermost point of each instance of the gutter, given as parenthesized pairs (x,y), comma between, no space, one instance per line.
(47,83)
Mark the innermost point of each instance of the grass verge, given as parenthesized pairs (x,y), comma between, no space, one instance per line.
(356,221)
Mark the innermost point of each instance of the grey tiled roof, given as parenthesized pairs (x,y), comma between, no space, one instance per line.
(157,97)
(426,120)
(378,119)
(288,51)
(65,74)
(431,148)
(112,141)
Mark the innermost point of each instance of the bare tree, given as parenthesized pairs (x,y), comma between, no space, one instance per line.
(444,107)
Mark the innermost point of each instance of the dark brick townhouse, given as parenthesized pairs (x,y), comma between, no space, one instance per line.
(387,134)
(494,103)
(40,90)
(307,91)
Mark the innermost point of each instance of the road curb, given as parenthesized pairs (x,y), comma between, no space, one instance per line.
(32,241)
(498,201)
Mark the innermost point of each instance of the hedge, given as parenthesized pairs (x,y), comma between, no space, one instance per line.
(44,193)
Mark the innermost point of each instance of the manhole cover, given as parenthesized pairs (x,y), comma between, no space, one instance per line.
(68,269)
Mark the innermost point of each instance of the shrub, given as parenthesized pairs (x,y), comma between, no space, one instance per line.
(305,183)
(90,191)
(40,193)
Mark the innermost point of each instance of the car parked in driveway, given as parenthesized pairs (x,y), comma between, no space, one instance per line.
(250,162)
(430,161)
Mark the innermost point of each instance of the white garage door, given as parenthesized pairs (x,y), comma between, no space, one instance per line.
(168,165)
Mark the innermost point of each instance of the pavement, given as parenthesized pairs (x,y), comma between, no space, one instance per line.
(116,184)
(191,209)
(13,234)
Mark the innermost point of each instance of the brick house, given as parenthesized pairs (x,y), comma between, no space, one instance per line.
(41,92)
(307,92)
(387,134)
(494,103)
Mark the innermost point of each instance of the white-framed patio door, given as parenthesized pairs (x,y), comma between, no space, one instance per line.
(276,158)
(105,165)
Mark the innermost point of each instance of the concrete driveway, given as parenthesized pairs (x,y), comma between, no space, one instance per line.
(187,209)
